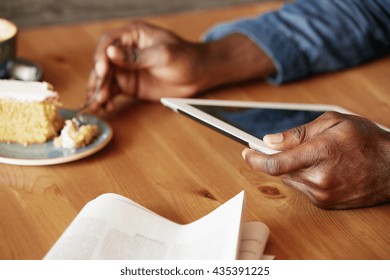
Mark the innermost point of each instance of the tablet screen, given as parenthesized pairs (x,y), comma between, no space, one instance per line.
(260,121)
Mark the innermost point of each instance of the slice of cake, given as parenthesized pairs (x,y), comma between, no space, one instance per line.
(73,136)
(28,112)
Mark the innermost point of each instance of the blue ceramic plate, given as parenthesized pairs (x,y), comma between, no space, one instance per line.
(48,154)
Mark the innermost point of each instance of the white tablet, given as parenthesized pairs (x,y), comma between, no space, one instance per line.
(247,122)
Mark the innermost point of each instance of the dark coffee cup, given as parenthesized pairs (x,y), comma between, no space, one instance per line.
(8,31)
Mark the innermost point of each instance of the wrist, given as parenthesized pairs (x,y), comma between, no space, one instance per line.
(232,59)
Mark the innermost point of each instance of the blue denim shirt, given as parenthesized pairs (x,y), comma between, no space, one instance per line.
(315,36)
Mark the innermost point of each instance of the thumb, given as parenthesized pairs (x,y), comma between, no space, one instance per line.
(298,135)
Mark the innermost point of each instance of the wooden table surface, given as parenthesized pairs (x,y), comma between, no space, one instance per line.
(178,168)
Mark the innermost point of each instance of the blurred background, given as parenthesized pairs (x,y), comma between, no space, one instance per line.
(32,13)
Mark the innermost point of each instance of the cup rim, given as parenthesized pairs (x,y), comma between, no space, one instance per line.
(14,29)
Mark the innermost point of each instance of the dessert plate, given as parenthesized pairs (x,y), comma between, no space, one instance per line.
(48,154)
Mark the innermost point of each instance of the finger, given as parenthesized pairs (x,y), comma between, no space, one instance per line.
(137,58)
(283,162)
(104,90)
(106,40)
(306,176)
(99,77)
(128,36)
(298,135)
(298,185)
(128,81)
(304,186)
(109,105)
(102,62)
(125,57)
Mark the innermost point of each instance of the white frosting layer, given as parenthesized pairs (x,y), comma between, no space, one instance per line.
(26,91)
(67,141)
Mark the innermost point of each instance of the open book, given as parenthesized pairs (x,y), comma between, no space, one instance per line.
(114,227)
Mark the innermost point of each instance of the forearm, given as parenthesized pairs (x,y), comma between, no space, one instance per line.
(232,59)
(310,37)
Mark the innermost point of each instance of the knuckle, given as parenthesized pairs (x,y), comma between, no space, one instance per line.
(324,151)
(321,205)
(321,198)
(332,118)
(322,202)
(132,57)
(331,115)
(298,133)
(166,53)
(322,195)
(272,166)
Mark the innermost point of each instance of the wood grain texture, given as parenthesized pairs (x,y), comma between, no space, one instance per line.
(178,168)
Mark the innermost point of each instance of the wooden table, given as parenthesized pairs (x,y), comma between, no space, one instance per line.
(178,168)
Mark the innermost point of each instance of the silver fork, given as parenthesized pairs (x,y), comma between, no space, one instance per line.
(80,118)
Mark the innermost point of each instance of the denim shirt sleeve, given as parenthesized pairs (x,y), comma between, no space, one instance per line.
(311,36)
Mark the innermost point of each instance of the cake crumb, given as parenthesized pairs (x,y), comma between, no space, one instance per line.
(72,136)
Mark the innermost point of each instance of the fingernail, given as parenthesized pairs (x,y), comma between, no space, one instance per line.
(243,153)
(100,68)
(111,51)
(273,138)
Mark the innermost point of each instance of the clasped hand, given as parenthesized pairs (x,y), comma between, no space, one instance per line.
(145,62)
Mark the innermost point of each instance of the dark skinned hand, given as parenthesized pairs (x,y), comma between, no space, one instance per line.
(339,161)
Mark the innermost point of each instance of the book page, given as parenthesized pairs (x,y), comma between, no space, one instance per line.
(254,236)
(114,227)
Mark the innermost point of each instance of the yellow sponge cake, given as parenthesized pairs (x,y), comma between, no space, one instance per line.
(28,112)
